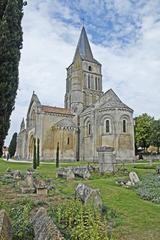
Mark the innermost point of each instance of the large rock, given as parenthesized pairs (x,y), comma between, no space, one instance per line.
(82,172)
(44,228)
(66,173)
(5,226)
(134,178)
(88,195)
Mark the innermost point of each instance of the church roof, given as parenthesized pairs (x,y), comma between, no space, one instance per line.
(66,122)
(83,48)
(110,100)
(50,109)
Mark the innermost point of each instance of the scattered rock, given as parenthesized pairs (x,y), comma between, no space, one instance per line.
(28,190)
(44,228)
(88,195)
(82,171)
(17,175)
(29,180)
(158,169)
(121,182)
(134,178)
(5,226)
(66,173)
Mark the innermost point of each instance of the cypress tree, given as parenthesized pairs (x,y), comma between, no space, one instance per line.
(11,13)
(38,152)
(34,155)
(57,156)
(12,145)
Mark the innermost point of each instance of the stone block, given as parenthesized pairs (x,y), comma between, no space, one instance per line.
(81,171)
(106,159)
(88,195)
(65,173)
(27,189)
(44,228)
(42,191)
(5,226)
(133,178)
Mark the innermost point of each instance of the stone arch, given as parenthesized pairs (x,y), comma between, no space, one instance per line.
(31,147)
(103,119)
(87,126)
(124,123)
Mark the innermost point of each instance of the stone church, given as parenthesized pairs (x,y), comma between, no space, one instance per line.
(89,120)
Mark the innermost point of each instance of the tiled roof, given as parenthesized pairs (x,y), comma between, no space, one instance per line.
(50,109)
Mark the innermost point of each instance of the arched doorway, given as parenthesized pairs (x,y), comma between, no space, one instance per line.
(31,147)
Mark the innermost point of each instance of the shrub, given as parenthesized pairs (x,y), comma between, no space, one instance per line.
(80,222)
(149,188)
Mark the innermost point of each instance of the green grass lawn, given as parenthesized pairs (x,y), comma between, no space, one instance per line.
(136,219)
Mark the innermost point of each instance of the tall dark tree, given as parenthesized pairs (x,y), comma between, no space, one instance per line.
(12,145)
(34,155)
(11,13)
(155,134)
(38,152)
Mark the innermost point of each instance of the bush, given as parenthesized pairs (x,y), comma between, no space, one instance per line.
(19,214)
(80,222)
(149,188)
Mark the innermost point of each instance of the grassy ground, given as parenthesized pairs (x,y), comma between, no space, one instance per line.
(136,219)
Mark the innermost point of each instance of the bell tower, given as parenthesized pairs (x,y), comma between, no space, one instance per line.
(84,79)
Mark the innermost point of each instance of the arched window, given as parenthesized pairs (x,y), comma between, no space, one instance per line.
(90,68)
(68,141)
(89,82)
(107,126)
(124,126)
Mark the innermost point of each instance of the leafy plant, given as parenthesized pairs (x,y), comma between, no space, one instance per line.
(149,188)
(80,222)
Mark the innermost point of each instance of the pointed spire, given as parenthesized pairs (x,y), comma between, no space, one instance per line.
(83,47)
(22,125)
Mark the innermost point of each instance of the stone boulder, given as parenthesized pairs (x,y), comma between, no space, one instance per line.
(82,172)
(88,195)
(5,226)
(66,173)
(44,228)
(133,178)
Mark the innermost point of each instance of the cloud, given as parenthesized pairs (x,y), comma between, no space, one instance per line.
(124,36)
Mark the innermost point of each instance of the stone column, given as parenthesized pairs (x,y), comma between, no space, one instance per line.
(106,159)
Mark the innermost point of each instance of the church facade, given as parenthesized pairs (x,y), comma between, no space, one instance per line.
(89,120)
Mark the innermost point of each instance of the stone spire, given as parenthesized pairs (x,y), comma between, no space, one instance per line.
(22,125)
(83,47)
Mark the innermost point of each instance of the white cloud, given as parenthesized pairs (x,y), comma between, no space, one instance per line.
(49,45)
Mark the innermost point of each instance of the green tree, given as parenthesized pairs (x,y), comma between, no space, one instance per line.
(143,128)
(12,145)
(38,151)
(11,13)
(155,134)
(34,155)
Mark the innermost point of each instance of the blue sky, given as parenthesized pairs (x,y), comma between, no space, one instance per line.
(124,36)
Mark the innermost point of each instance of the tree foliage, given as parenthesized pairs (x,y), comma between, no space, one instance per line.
(34,155)
(12,145)
(143,129)
(38,152)
(11,13)
(155,134)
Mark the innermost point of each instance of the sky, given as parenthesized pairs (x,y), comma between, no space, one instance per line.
(124,36)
